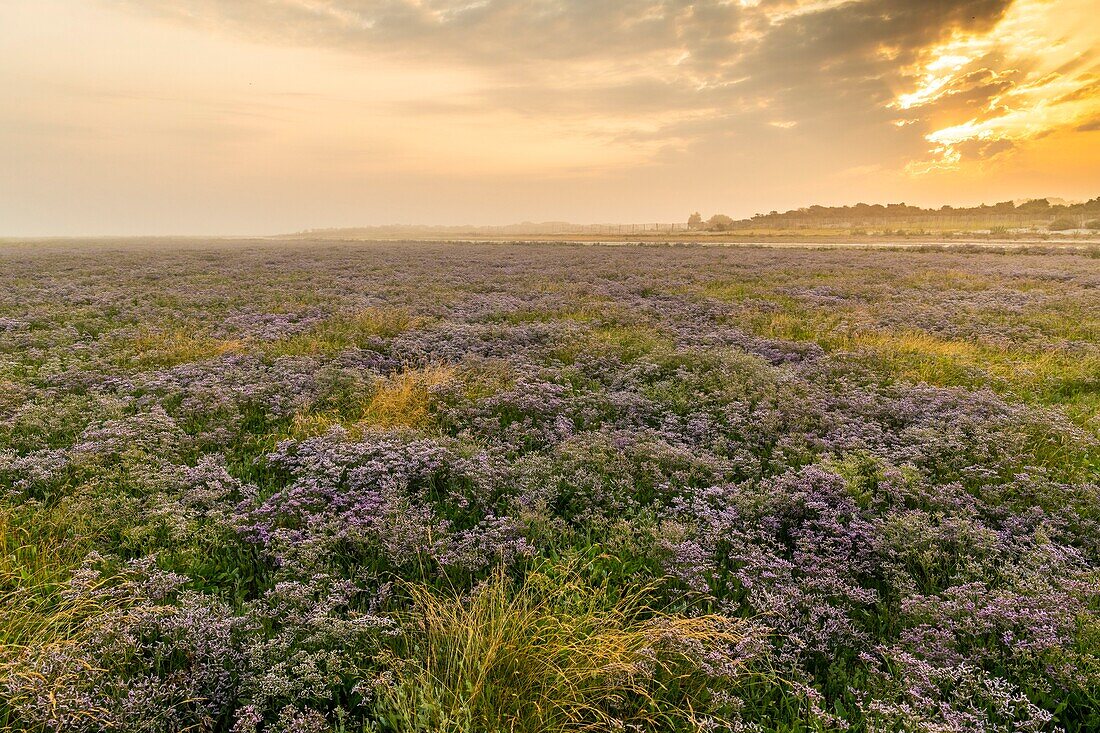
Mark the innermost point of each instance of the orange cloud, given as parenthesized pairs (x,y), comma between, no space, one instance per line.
(1031,75)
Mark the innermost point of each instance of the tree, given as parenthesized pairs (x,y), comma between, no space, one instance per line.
(719,223)
(1035,205)
(695,221)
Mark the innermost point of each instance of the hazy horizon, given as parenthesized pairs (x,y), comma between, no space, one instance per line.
(200,117)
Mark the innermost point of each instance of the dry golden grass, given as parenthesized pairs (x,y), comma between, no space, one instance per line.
(627,341)
(36,559)
(347,330)
(311,424)
(915,342)
(551,654)
(11,394)
(179,346)
(404,399)
(384,322)
(34,633)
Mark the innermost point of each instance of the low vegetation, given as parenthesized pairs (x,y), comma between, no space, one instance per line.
(274,488)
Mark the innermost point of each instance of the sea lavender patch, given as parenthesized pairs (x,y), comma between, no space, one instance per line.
(230,474)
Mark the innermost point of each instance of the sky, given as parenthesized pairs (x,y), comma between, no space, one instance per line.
(130,117)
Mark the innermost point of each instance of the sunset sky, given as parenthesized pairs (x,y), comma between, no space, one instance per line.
(266,116)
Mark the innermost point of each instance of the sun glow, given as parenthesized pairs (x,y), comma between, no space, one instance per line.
(987,94)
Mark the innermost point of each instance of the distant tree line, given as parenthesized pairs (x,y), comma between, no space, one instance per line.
(1033,213)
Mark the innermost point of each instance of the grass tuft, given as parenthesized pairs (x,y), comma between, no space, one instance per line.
(551,653)
(404,399)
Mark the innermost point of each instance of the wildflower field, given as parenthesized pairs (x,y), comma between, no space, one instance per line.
(466,488)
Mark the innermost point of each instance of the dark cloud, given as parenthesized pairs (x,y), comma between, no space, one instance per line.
(779,46)
(490,32)
(854,55)
(669,63)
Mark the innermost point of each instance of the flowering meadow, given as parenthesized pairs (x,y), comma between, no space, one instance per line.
(466,488)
